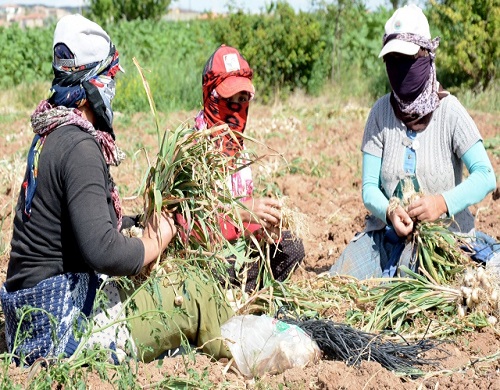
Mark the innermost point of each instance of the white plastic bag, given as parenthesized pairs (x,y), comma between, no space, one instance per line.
(262,344)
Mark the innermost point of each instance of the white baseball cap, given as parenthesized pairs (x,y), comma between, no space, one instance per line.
(407,19)
(87,40)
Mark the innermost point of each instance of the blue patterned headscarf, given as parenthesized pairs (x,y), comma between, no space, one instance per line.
(94,83)
(72,87)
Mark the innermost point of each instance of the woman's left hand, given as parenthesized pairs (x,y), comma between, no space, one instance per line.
(427,208)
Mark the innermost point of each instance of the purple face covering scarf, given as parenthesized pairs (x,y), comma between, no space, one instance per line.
(416,92)
(408,76)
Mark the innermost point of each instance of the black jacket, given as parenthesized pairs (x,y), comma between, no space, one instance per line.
(72,227)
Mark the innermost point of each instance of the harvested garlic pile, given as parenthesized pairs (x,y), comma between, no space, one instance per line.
(479,293)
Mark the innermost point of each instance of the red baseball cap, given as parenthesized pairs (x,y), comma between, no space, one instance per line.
(228,71)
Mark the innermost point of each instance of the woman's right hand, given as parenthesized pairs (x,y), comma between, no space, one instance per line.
(401,221)
(264,211)
(158,232)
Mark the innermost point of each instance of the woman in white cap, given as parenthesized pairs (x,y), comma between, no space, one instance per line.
(227,92)
(66,237)
(418,134)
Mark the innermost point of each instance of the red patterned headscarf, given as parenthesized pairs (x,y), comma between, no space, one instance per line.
(227,73)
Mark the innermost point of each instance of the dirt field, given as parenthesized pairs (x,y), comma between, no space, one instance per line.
(320,140)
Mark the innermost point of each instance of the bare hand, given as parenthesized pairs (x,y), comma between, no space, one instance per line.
(401,221)
(428,208)
(265,211)
(159,231)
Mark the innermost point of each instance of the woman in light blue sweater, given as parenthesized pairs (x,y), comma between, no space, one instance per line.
(418,134)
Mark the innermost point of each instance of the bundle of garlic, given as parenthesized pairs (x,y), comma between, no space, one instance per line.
(479,293)
(436,248)
(166,265)
(408,195)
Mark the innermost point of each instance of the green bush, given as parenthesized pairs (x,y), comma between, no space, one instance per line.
(283,47)
(353,39)
(173,55)
(25,55)
(469,52)
(337,43)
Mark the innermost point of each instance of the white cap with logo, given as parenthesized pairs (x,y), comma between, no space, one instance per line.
(407,19)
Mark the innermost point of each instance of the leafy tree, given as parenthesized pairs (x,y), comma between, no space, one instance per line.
(354,38)
(341,18)
(281,45)
(395,4)
(115,10)
(469,52)
(101,11)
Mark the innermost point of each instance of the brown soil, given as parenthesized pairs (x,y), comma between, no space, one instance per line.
(322,145)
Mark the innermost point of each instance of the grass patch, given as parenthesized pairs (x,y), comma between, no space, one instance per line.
(486,101)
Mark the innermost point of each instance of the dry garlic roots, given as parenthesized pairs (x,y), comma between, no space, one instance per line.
(409,195)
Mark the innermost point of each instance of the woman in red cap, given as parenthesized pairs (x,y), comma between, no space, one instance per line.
(227,92)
